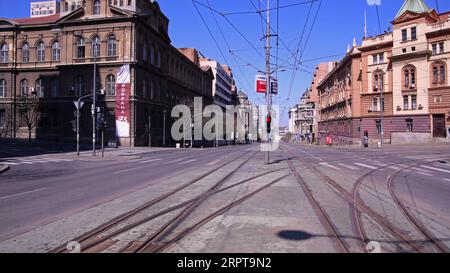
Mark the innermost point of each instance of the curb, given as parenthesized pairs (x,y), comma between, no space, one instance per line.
(3,168)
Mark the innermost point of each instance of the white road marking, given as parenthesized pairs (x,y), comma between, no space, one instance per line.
(436,169)
(213,163)
(394,168)
(348,166)
(151,160)
(420,170)
(446,179)
(186,162)
(329,166)
(366,166)
(175,161)
(22,193)
(427,174)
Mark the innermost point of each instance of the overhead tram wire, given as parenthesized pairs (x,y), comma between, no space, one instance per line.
(210,32)
(301,56)
(229,47)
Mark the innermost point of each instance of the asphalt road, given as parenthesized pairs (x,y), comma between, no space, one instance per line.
(42,188)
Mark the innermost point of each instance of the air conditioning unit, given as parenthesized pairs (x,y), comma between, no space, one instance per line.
(375,88)
(72,89)
(101,91)
(370,109)
(32,91)
(413,86)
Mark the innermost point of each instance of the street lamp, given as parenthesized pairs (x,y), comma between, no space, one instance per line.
(95,45)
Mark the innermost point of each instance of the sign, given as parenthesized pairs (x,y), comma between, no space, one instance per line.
(123,93)
(78,107)
(274,86)
(261,83)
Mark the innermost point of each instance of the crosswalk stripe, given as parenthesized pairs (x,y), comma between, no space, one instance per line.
(213,163)
(436,169)
(186,162)
(329,166)
(348,166)
(365,166)
(427,174)
(151,160)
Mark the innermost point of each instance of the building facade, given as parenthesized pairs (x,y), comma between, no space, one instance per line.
(402,92)
(223,83)
(53,59)
(41,8)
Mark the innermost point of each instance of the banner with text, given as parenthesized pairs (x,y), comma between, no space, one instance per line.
(123,93)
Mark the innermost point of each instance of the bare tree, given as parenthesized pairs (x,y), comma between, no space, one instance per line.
(29,111)
(6,125)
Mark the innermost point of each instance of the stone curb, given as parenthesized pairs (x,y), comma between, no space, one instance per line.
(3,168)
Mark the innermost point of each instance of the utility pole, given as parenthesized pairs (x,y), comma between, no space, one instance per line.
(268,93)
(164,128)
(382,109)
(94,96)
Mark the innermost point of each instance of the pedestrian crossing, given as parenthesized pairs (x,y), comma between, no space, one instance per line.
(32,161)
(423,170)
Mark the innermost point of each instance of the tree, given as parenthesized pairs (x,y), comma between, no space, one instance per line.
(6,125)
(29,111)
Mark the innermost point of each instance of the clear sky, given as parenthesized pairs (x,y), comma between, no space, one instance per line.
(337,23)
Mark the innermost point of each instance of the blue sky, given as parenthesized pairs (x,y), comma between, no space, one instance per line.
(337,23)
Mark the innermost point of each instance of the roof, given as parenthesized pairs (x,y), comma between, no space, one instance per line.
(418,6)
(37,20)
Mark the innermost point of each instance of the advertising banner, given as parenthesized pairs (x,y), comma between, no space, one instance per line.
(260,84)
(123,93)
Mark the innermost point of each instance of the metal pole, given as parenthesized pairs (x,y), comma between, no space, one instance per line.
(103,140)
(94,95)
(164,128)
(149,132)
(78,127)
(268,94)
(382,110)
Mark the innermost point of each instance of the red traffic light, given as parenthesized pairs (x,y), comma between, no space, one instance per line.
(269,119)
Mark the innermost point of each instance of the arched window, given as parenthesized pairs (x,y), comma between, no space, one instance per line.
(39,88)
(41,52)
(66,6)
(409,77)
(3,88)
(378,81)
(96,46)
(25,53)
(81,47)
(110,85)
(112,46)
(79,85)
(96,7)
(439,70)
(24,88)
(4,53)
(56,51)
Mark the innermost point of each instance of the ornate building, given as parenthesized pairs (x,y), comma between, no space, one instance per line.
(53,58)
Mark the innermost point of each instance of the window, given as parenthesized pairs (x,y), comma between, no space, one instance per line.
(378,58)
(158,61)
(39,88)
(110,85)
(55,87)
(24,88)
(3,90)
(439,73)
(378,124)
(409,77)
(25,53)
(378,81)
(437,99)
(2,118)
(112,46)
(152,55)
(405,102)
(434,49)
(4,53)
(409,125)
(96,46)
(438,48)
(41,52)
(404,35)
(81,47)
(413,102)
(79,86)
(144,51)
(56,51)
(144,88)
(377,104)
(66,6)
(413,33)
(96,7)
(152,90)
(441,47)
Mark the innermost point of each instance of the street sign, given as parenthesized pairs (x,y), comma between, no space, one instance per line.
(78,106)
(74,125)
(76,114)
(274,86)
(260,84)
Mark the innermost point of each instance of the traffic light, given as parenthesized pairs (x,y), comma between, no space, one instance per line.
(269,123)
